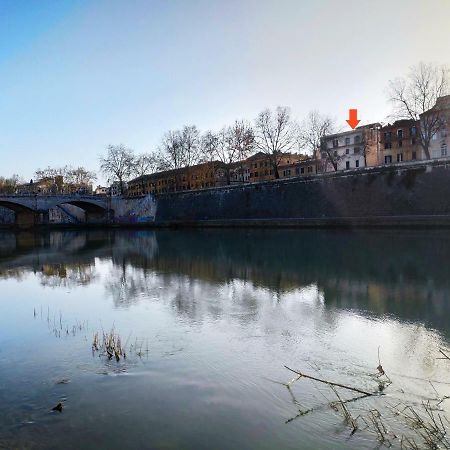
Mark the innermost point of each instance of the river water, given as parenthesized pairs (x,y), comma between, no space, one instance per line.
(209,319)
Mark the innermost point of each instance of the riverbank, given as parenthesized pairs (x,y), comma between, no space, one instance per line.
(404,195)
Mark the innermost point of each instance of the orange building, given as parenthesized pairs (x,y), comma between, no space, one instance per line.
(399,142)
(259,167)
(200,176)
(303,168)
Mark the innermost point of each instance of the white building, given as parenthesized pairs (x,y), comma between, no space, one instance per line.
(351,149)
(101,190)
(440,142)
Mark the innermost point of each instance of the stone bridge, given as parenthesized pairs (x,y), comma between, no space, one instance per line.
(33,210)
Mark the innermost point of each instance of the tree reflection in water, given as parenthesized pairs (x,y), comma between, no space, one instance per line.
(397,272)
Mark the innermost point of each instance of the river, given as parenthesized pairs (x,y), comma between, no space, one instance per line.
(208,320)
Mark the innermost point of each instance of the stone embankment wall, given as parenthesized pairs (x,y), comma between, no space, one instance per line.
(412,193)
(407,194)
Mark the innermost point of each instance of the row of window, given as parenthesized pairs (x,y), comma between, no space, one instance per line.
(298,171)
(356,151)
(388,144)
(356,140)
(400,133)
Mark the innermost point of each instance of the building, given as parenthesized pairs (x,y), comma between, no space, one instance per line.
(304,168)
(399,142)
(200,176)
(259,167)
(47,185)
(101,190)
(351,149)
(116,189)
(440,142)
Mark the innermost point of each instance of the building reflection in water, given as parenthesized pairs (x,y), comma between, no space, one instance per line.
(397,272)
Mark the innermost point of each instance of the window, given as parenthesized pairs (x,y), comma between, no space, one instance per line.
(260,164)
(357,139)
(387,135)
(309,169)
(414,156)
(400,143)
(387,145)
(347,141)
(413,131)
(255,165)
(297,171)
(335,143)
(413,141)
(443,149)
(400,134)
(387,159)
(347,151)
(302,170)
(399,157)
(335,153)
(255,174)
(357,163)
(356,150)
(347,164)
(324,155)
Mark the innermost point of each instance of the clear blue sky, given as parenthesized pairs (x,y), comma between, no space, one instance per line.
(78,75)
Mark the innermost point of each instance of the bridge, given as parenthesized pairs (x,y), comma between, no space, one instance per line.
(33,210)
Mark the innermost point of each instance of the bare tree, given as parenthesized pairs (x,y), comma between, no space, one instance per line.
(118,164)
(80,176)
(9,185)
(144,164)
(190,145)
(313,131)
(415,97)
(275,134)
(170,154)
(229,146)
(180,149)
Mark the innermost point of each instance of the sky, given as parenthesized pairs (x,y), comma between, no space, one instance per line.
(78,75)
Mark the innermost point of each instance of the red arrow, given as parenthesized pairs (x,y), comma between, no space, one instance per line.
(353,118)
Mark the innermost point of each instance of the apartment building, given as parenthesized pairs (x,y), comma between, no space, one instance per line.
(259,167)
(303,168)
(200,176)
(351,149)
(399,142)
(440,142)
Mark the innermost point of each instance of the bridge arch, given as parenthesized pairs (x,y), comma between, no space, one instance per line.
(23,215)
(93,211)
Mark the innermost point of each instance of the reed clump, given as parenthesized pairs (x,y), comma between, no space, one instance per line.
(109,344)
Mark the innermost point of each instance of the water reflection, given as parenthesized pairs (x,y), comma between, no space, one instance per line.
(403,273)
(223,311)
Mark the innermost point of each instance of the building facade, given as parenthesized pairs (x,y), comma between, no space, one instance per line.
(350,149)
(399,142)
(200,176)
(440,142)
(259,168)
(304,168)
